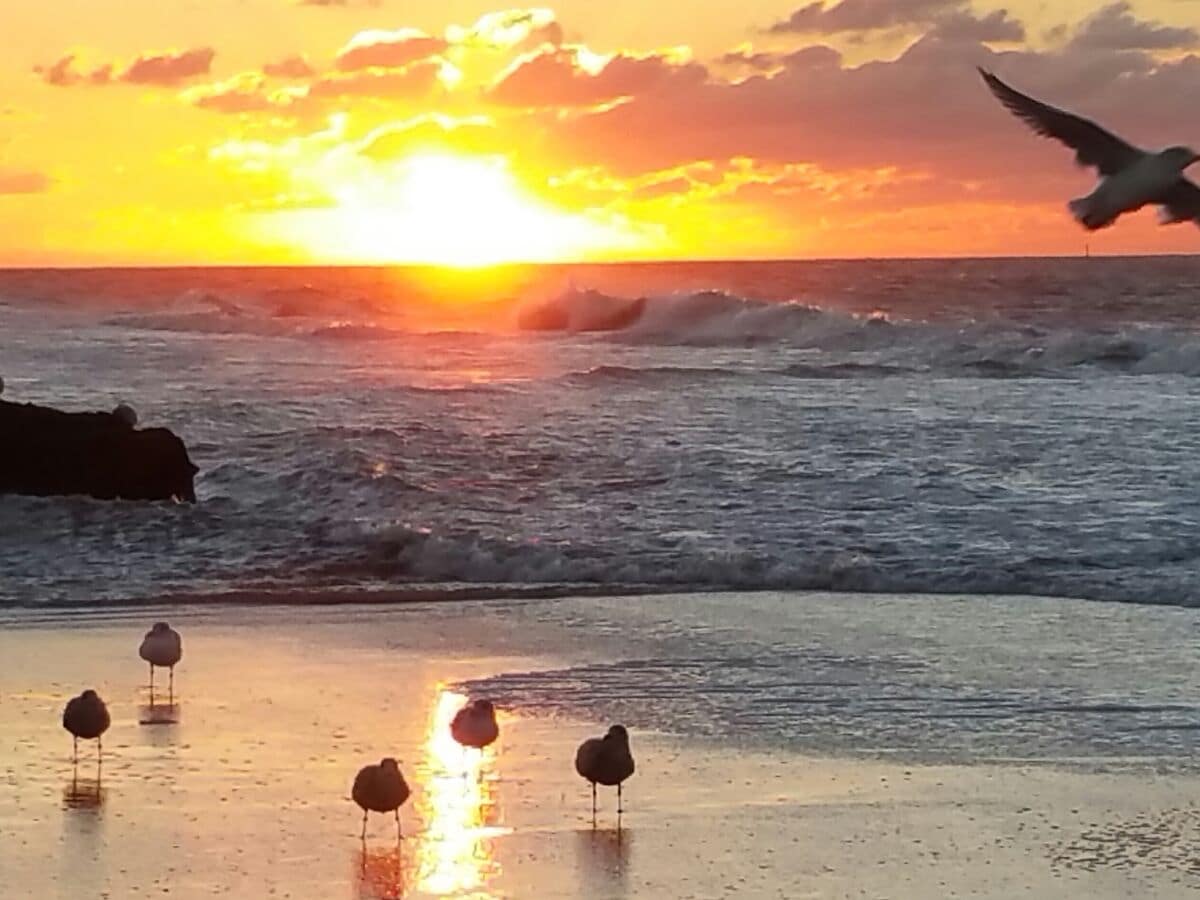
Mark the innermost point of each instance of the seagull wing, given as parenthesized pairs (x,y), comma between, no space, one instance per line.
(1093,145)
(1182,202)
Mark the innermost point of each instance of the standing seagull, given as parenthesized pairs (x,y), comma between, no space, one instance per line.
(161,647)
(1130,177)
(86,717)
(380,789)
(475,725)
(606,761)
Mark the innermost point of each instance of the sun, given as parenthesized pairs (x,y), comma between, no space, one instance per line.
(446,209)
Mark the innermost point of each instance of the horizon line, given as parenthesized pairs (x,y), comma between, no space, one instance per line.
(748,260)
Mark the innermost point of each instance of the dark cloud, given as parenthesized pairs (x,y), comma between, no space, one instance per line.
(997,27)
(862,15)
(1114,27)
(949,19)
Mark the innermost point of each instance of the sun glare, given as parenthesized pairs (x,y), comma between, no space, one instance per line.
(456,851)
(445,209)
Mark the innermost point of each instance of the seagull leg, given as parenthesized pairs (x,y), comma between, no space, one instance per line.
(593,804)
(75,753)
(399,830)
(171,688)
(364,828)
(620,808)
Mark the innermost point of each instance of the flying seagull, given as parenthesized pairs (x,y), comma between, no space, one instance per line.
(1130,177)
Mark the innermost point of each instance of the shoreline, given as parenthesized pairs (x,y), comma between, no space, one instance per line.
(441,593)
(246,792)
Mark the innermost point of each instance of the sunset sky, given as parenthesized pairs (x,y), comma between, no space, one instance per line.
(280,131)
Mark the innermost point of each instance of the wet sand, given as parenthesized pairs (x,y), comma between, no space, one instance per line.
(242,788)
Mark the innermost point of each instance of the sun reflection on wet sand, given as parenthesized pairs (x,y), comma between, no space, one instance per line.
(459,808)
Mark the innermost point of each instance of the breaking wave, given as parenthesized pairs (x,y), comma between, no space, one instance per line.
(871,346)
(405,554)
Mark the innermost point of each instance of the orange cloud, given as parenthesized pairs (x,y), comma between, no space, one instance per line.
(921,113)
(62,73)
(244,93)
(781,146)
(290,67)
(162,69)
(19,182)
(250,92)
(387,49)
(525,29)
(412,82)
(558,77)
(431,133)
(169,68)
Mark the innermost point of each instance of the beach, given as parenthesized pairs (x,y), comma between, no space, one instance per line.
(246,792)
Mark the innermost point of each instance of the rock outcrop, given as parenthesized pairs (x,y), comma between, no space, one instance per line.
(582,311)
(44,452)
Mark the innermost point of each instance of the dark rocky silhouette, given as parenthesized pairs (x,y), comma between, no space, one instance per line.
(583,311)
(45,451)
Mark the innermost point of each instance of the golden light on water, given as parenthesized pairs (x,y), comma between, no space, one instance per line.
(458,806)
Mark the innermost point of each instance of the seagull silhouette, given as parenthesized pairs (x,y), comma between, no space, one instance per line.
(1130,177)
(86,717)
(162,647)
(606,761)
(380,789)
(475,725)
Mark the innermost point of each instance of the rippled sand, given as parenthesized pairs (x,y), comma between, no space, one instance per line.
(241,789)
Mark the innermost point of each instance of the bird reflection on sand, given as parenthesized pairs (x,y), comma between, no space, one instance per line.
(381,874)
(84,793)
(603,860)
(158,713)
(456,848)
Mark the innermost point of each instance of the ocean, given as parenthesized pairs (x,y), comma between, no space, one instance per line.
(1000,427)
